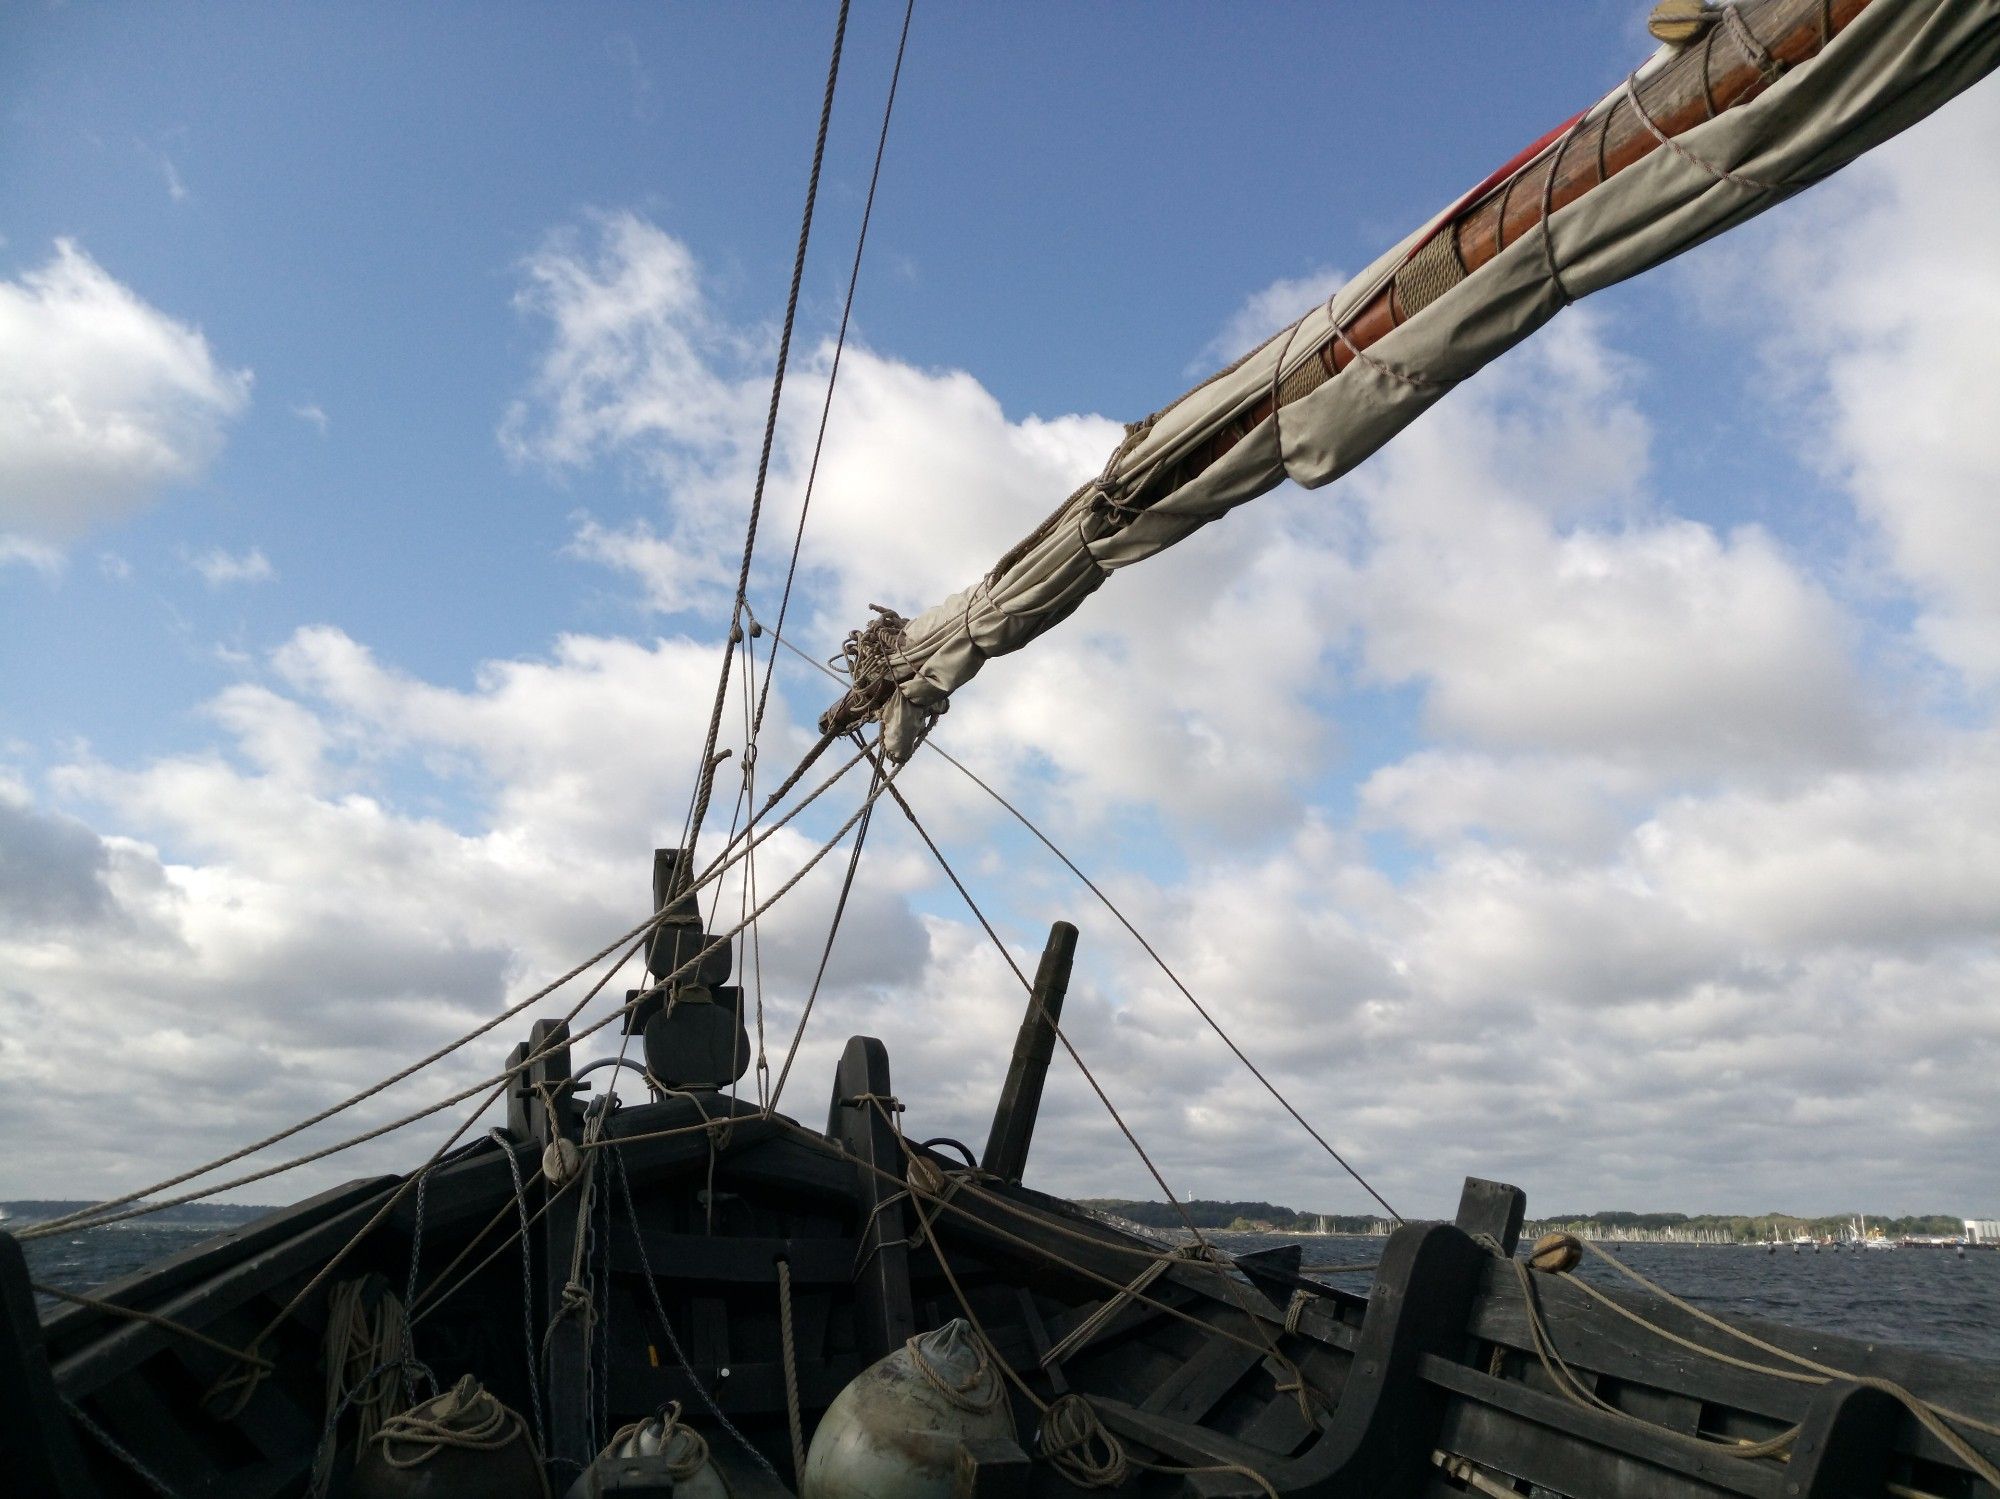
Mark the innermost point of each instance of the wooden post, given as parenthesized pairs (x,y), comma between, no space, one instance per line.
(883,1316)
(568,1351)
(38,1451)
(1021,1097)
(1494,1209)
(1845,1444)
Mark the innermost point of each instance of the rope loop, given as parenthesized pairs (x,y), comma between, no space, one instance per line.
(683,1451)
(1075,1442)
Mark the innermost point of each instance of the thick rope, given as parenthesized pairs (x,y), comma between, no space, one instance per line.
(791,1353)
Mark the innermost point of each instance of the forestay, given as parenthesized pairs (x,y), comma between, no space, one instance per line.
(1321,395)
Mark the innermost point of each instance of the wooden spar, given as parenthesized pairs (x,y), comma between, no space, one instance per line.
(1021,1097)
(1705,79)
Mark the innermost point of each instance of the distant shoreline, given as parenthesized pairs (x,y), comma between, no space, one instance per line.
(1628,1227)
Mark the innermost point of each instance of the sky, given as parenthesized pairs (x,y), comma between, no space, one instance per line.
(1599,790)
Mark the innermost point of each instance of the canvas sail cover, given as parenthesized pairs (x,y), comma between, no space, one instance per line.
(1889,66)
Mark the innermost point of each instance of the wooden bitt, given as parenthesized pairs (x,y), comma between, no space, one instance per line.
(883,1316)
(1845,1443)
(1021,1097)
(38,1451)
(1493,1209)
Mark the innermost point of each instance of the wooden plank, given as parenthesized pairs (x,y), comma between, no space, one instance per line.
(37,1445)
(126,1344)
(1560,1464)
(698,1257)
(1013,1130)
(1574,1427)
(68,1325)
(884,1319)
(1200,1384)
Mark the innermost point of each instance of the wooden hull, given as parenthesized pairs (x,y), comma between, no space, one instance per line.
(1430,1385)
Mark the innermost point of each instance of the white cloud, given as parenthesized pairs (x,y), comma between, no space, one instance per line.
(1685,907)
(1888,351)
(1264,312)
(220,569)
(104,400)
(310,413)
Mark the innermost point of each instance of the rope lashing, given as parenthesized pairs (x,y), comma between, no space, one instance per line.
(1566,1251)
(682,1450)
(981,1389)
(1095,1323)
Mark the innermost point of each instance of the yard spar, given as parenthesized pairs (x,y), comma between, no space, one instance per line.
(1745,106)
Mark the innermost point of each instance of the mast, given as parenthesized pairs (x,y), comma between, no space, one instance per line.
(1751,103)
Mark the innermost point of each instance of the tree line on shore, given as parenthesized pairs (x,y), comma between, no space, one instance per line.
(1269,1217)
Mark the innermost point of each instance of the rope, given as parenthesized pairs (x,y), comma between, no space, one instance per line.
(700,808)
(980,1391)
(682,1450)
(826,952)
(839,347)
(466,1418)
(366,1359)
(1721,174)
(1082,1462)
(1934,1419)
(1073,1440)
(1173,978)
(660,1311)
(500,1138)
(111,1445)
(791,1371)
(242,1355)
(722,863)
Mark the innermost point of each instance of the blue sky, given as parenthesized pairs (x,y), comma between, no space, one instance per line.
(1583,731)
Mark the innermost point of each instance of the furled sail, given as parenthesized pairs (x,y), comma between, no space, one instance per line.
(1747,105)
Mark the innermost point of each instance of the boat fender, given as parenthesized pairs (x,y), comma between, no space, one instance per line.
(463,1444)
(660,1456)
(899,1428)
(1555,1254)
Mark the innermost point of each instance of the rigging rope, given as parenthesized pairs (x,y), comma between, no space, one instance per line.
(1139,937)
(699,810)
(81,1219)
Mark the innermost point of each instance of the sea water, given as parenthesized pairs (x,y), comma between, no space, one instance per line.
(1918,1298)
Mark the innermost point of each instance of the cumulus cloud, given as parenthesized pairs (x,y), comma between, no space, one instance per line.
(1515,823)
(1887,347)
(220,569)
(104,399)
